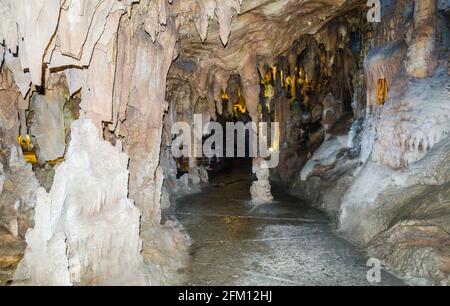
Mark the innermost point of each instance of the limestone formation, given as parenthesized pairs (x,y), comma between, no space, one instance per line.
(48,126)
(19,184)
(332,111)
(260,189)
(85,228)
(386,186)
(18,197)
(422,53)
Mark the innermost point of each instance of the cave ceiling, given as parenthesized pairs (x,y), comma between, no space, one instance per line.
(263,27)
(259,31)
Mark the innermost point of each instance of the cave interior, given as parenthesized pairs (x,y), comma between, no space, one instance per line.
(90,92)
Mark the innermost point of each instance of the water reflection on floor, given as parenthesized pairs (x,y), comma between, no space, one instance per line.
(283,243)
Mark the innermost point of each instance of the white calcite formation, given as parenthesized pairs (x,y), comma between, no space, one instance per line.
(413,120)
(86,229)
(260,189)
(402,215)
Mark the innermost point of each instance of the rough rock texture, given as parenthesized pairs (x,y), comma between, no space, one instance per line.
(86,229)
(387,187)
(48,127)
(418,249)
(422,53)
(145,112)
(18,183)
(329,172)
(382,63)
(11,252)
(165,251)
(381,197)
(18,197)
(332,111)
(260,189)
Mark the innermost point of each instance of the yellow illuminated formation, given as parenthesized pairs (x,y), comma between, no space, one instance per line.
(304,84)
(239,107)
(267,81)
(290,82)
(274,73)
(224,95)
(382,91)
(27,149)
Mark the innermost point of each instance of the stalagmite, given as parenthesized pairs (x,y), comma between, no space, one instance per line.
(260,189)
(86,229)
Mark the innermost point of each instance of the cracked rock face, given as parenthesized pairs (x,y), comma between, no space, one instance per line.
(48,126)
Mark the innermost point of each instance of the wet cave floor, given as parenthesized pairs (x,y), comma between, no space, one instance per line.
(283,243)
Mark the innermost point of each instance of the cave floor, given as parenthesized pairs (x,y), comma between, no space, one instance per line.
(283,243)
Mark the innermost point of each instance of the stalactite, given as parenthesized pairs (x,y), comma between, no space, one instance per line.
(146,107)
(422,53)
(382,63)
(251,86)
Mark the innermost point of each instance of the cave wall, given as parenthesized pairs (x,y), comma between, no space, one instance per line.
(108,56)
(385,180)
(326,70)
(16,204)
